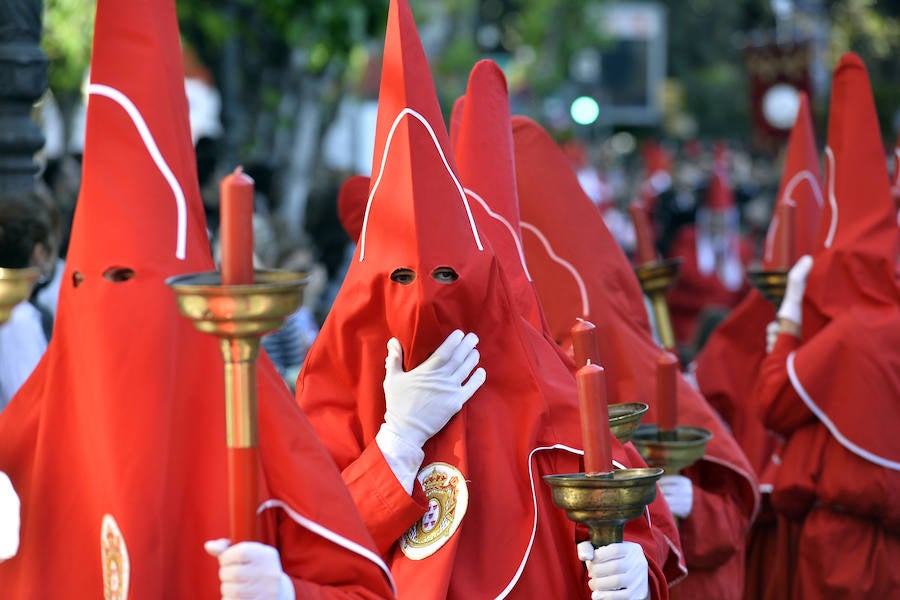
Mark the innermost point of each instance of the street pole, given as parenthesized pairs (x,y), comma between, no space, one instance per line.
(23,79)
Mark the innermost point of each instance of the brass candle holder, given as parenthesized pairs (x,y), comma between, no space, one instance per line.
(671,451)
(771,284)
(656,279)
(605,502)
(239,315)
(15,286)
(624,419)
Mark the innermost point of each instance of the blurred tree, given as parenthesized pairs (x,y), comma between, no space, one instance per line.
(872,29)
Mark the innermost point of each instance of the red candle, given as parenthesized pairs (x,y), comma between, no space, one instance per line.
(591,380)
(646,251)
(784,240)
(236,228)
(666,386)
(584,343)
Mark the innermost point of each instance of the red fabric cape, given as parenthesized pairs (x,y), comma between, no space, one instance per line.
(124,415)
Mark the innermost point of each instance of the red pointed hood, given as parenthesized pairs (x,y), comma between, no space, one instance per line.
(720,196)
(800,191)
(856,249)
(484,153)
(123,422)
(568,268)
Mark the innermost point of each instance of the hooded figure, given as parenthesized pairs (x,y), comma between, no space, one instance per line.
(580,271)
(116,442)
(831,383)
(423,273)
(713,256)
(728,366)
(483,147)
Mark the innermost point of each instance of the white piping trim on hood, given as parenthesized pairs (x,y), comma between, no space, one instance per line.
(384,155)
(160,162)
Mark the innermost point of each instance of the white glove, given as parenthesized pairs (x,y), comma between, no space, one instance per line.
(791,306)
(679,494)
(616,571)
(421,401)
(771,335)
(9,518)
(250,571)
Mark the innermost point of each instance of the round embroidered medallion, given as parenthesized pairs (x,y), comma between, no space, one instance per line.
(116,566)
(448,498)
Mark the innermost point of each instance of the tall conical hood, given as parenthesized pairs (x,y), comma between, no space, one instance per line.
(416,202)
(800,191)
(484,153)
(137,144)
(856,248)
(566,269)
(116,442)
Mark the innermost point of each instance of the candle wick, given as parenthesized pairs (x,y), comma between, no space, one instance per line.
(238,170)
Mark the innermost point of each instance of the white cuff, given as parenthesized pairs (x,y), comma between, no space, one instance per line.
(10,507)
(403,458)
(286,588)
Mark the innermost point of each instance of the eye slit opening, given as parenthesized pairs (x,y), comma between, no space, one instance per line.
(403,276)
(77,278)
(118,274)
(444,275)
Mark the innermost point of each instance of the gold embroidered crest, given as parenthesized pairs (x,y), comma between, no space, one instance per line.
(448,497)
(116,567)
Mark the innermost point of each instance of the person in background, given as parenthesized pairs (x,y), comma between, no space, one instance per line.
(26,240)
(713,255)
(829,386)
(116,444)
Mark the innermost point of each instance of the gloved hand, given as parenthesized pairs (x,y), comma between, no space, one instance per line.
(791,306)
(9,518)
(679,494)
(250,570)
(616,571)
(421,401)
(771,335)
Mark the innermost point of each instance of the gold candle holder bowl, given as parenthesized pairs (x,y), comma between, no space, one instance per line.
(684,448)
(15,286)
(238,310)
(771,284)
(606,502)
(658,276)
(624,419)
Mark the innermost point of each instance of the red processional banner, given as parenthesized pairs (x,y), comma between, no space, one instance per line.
(777,73)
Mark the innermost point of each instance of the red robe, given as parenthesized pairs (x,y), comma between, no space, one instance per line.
(116,442)
(840,474)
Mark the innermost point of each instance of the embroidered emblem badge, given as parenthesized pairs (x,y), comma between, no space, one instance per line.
(448,498)
(114,553)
